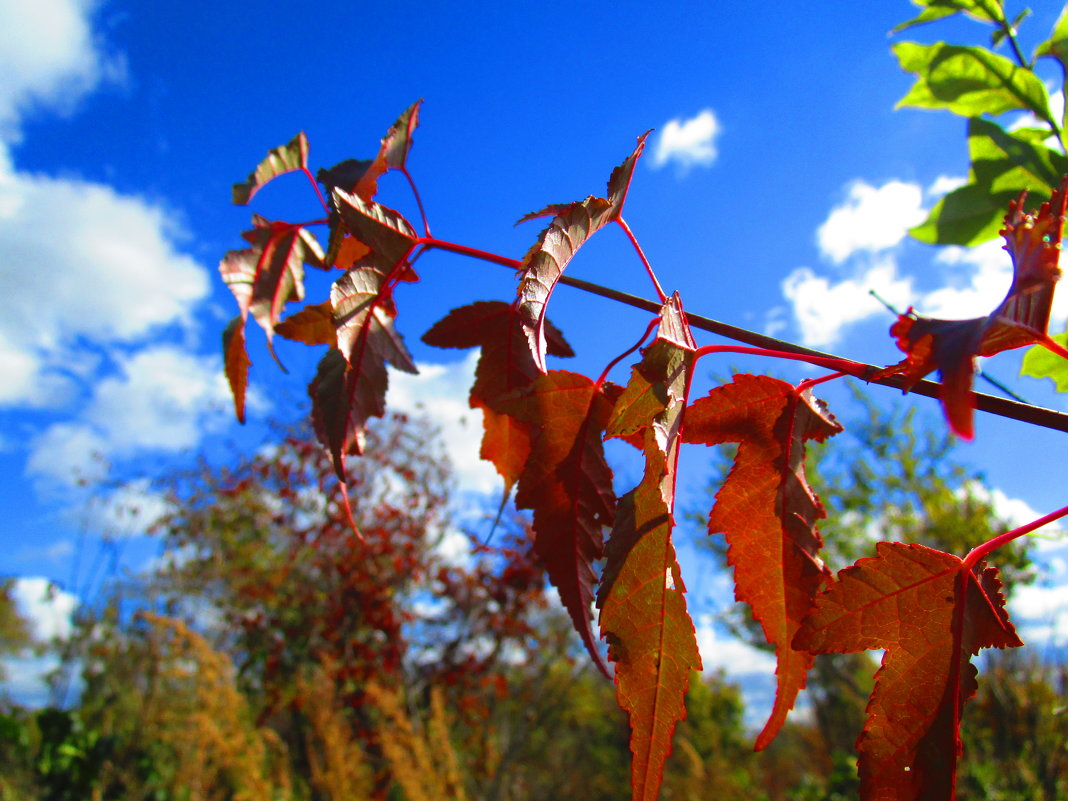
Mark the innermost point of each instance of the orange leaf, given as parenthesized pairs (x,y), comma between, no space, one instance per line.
(931,614)
(312,325)
(643,608)
(950,346)
(237,364)
(768,512)
(268,275)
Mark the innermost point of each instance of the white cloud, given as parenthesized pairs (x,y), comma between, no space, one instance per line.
(688,143)
(48,608)
(163,399)
(440,393)
(872,219)
(78,259)
(49,58)
(944,184)
(823,308)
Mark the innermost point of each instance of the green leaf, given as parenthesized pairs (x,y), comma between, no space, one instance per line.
(969,81)
(1003,164)
(984,10)
(1041,363)
(290,157)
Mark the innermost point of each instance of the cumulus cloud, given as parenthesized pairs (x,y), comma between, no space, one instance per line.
(78,259)
(688,143)
(162,399)
(49,58)
(872,219)
(439,393)
(824,307)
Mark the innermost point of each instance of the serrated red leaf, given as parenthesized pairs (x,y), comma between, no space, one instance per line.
(768,513)
(389,236)
(344,399)
(572,225)
(312,325)
(287,158)
(650,635)
(237,363)
(361,177)
(350,385)
(270,274)
(1022,318)
(363,317)
(568,484)
(931,614)
(504,366)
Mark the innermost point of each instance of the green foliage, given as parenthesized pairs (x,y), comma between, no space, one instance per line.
(976,83)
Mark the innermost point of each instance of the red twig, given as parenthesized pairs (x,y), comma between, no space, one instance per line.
(418,201)
(648,330)
(315,186)
(641,255)
(980,552)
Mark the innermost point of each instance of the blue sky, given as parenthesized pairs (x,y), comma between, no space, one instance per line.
(775,192)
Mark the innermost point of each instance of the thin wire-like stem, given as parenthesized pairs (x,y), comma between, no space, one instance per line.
(315,186)
(464,250)
(627,352)
(812,382)
(980,552)
(641,255)
(418,201)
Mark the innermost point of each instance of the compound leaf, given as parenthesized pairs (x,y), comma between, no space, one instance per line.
(768,513)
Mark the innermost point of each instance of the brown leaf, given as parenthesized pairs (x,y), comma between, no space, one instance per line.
(312,325)
(505,365)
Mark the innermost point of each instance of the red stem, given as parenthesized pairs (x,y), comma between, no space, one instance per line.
(418,200)
(626,353)
(463,250)
(1050,344)
(641,255)
(980,552)
(315,186)
(811,382)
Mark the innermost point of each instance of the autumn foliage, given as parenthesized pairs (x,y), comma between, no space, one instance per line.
(611,558)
